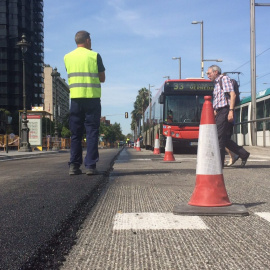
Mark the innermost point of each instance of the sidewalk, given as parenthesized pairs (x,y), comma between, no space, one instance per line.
(15,154)
(258,151)
(132,227)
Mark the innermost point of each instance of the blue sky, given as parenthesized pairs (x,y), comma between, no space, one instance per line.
(137,40)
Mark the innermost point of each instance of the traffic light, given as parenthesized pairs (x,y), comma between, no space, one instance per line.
(126,114)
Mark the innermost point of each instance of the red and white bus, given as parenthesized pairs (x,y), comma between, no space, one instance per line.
(177,106)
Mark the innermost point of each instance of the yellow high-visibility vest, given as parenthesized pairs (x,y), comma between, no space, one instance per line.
(82,70)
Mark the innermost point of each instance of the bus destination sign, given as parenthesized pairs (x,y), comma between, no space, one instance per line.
(190,86)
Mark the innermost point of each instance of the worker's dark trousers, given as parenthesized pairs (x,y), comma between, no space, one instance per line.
(224,136)
(84,113)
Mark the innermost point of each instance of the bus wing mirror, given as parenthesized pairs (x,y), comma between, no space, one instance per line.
(161,99)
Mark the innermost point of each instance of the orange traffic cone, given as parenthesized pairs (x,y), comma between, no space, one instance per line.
(209,196)
(210,188)
(138,145)
(156,147)
(169,148)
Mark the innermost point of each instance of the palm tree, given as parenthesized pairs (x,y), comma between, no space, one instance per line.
(140,105)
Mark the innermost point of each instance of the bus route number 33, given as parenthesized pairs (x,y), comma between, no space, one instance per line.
(178,86)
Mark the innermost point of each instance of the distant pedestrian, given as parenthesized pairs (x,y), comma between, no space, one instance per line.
(223,104)
(85,71)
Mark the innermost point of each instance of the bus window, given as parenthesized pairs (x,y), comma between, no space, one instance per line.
(244,117)
(183,109)
(259,114)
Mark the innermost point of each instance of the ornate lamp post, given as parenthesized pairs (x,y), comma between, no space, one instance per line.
(54,75)
(24,145)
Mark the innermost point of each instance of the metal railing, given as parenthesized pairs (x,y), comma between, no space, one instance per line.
(264,120)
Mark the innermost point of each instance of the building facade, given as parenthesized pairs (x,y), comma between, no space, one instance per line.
(56,93)
(19,17)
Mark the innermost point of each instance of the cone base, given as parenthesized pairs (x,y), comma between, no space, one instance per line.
(189,210)
(156,151)
(209,191)
(169,156)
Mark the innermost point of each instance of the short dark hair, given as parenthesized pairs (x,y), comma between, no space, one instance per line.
(81,37)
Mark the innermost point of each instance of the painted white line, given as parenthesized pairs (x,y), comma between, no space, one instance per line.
(156,221)
(257,160)
(140,159)
(185,158)
(265,215)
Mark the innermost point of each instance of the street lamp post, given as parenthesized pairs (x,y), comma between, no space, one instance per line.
(179,58)
(149,96)
(202,69)
(54,75)
(202,56)
(150,109)
(166,77)
(24,145)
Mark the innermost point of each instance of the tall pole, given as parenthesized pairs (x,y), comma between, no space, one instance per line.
(179,58)
(253,69)
(202,68)
(150,113)
(149,96)
(253,72)
(24,145)
(179,68)
(54,75)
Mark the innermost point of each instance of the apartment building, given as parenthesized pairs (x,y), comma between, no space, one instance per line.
(56,93)
(19,17)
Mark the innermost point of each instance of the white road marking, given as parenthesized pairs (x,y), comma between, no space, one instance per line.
(140,159)
(265,215)
(156,221)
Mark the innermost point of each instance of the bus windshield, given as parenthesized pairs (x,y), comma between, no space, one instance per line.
(183,109)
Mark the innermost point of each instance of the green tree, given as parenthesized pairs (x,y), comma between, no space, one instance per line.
(65,133)
(4,115)
(112,133)
(140,105)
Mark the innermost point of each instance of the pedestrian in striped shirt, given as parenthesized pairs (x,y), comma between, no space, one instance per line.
(223,104)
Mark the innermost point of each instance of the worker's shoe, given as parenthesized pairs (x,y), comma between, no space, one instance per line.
(74,169)
(92,171)
(244,161)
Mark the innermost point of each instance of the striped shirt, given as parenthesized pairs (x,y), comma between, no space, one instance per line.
(221,97)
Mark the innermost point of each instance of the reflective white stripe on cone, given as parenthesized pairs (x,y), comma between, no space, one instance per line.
(169,148)
(210,188)
(156,147)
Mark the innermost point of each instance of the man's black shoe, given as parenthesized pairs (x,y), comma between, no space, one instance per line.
(244,161)
(74,169)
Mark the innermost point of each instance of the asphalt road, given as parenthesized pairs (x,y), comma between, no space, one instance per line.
(42,208)
(132,227)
